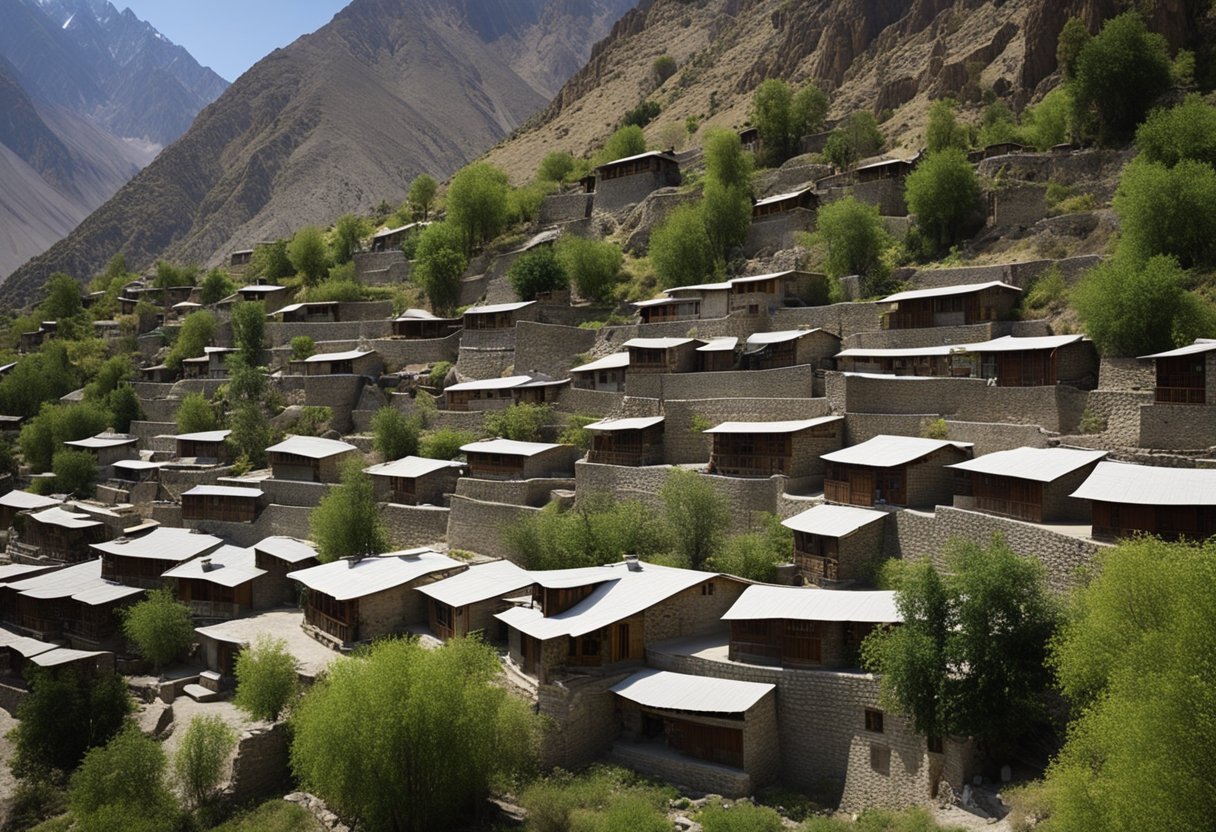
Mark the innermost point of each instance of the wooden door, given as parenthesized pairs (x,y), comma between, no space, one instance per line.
(861,486)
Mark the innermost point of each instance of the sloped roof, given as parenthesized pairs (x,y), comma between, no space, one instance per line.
(65,582)
(162,543)
(1037,464)
(768,200)
(1146,485)
(343,580)
(698,287)
(505,383)
(204,436)
(509,447)
(947,291)
(292,307)
(64,655)
(781,336)
(103,440)
(349,355)
(312,447)
(1201,345)
(685,692)
(222,491)
(616,361)
(799,603)
(138,464)
(833,521)
(410,467)
(884,451)
(230,566)
(479,582)
(259,289)
(657,343)
(1010,343)
(638,423)
(498,307)
(284,548)
(719,345)
(57,516)
(789,426)
(24,500)
(645,155)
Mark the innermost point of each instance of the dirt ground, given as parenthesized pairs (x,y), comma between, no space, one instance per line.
(8,783)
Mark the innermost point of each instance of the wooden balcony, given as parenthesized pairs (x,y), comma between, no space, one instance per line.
(631,459)
(750,465)
(1181,395)
(1017,509)
(340,630)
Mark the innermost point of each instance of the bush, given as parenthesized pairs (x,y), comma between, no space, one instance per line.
(696,515)
(64,715)
(270,262)
(944,131)
(555,166)
(644,113)
(438,375)
(597,530)
(522,422)
(346,522)
(1120,73)
(62,300)
(124,407)
(944,195)
(43,436)
(1188,131)
(159,627)
(1048,293)
(562,802)
(216,286)
(41,377)
(594,266)
(726,211)
(755,555)
(663,68)
(1170,211)
(395,434)
(348,236)
(741,817)
(1049,122)
(302,347)
(935,429)
(627,141)
(783,118)
(274,816)
(854,241)
(196,332)
(575,433)
(267,678)
(857,138)
(477,203)
(422,195)
(201,757)
(309,255)
(34,801)
(535,272)
(338,288)
(75,472)
(313,420)
(444,443)
(439,265)
(123,787)
(680,249)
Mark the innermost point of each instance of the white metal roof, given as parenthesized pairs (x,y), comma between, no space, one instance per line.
(901,352)
(104,592)
(57,516)
(616,361)
(638,423)
(387,231)
(799,603)
(64,655)
(1201,345)
(781,197)
(759,278)
(259,289)
(292,307)
(349,355)
(888,377)
(419,315)
(789,426)
(509,447)
(1119,482)
(222,491)
(784,335)
(479,582)
(498,307)
(698,287)
(1009,343)
(313,447)
(880,163)
(10,572)
(568,578)
(343,580)
(884,451)
(656,343)
(288,549)
(204,436)
(410,467)
(685,692)
(947,291)
(23,500)
(505,383)
(229,566)
(27,647)
(1038,464)
(62,582)
(138,464)
(720,345)
(162,543)
(630,593)
(103,440)
(664,301)
(833,521)
(645,155)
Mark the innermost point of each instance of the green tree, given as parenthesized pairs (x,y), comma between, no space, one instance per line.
(809,109)
(944,194)
(755,555)
(159,627)
(124,407)
(725,161)
(43,436)
(403,738)
(680,249)
(1119,74)
(662,68)
(644,113)
(251,434)
(536,271)
(421,195)
(598,529)
(40,377)
(1049,122)
(349,232)
(555,167)
(625,142)
(63,716)
(123,787)
(696,514)
(440,264)
(270,262)
(169,275)
(201,757)
(267,678)
(347,521)
(1164,210)
(196,332)
(216,286)
(249,329)
(783,117)
(593,265)
(195,414)
(75,472)
(854,241)
(1188,131)
(726,211)
(302,347)
(1131,308)
(309,255)
(444,443)
(62,298)
(855,139)
(395,434)
(1072,39)
(521,422)
(944,131)
(112,373)
(477,204)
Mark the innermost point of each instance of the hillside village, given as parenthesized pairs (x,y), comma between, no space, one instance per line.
(323,463)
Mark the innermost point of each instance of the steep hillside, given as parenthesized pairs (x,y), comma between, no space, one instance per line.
(338,121)
(887,56)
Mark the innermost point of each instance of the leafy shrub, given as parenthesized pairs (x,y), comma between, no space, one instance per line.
(477,203)
(535,272)
(313,420)
(1091,422)
(562,801)
(699,423)
(627,141)
(440,263)
(444,443)
(267,678)
(663,68)
(216,286)
(644,113)
(43,436)
(200,759)
(575,433)
(1188,131)
(438,374)
(395,434)
(782,117)
(196,332)
(741,817)
(75,472)
(597,530)
(854,241)
(944,131)
(593,265)
(522,422)
(124,786)
(680,249)
(555,166)
(855,139)
(696,514)
(348,235)
(944,194)
(64,715)
(935,429)
(309,255)
(1120,73)
(159,627)
(755,555)
(1048,293)
(1168,210)
(302,347)
(347,522)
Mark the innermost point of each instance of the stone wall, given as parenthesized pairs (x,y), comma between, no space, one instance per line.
(291,492)
(410,526)
(564,208)
(785,382)
(885,194)
(1177,426)
(582,719)
(935,336)
(1126,374)
(777,232)
(614,194)
(549,348)
(590,402)
(378,267)
(1021,274)
(280,334)
(697,611)
(477,363)
(842,319)
(530,492)
(1121,411)
(1096,171)
(1020,206)
(682,444)
(339,393)
(261,766)
(291,521)
(477,526)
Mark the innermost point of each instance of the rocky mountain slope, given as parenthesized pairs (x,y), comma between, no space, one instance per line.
(337,121)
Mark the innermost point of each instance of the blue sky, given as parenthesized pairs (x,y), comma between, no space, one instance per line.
(232,35)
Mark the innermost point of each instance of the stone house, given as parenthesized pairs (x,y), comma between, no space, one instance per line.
(777,204)
(633,441)
(56,535)
(418,324)
(223,503)
(717,355)
(238,261)
(352,362)
(359,599)
(209,447)
(220,585)
(507,459)
(143,561)
(765,449)
(466,603)
(500,393)
(72,604)
(1186,375)
(766,293)
(309,458)
(316,312)
(134,471)
(749,137)
(884,169)
(951,305)
(16,502)
(274,297)
(500,315)
(276,556)
(687,303)
(795,626)
(388,239)
(790,348)
(723,732)
(1171,503)
(894,470)
(603,616)
(1030,484)
(662,355)
(538,391)
(627,181)
(415,480)
(607,373)
(158,374)
(213,363)
(835,546)
(108,448)
(32,340)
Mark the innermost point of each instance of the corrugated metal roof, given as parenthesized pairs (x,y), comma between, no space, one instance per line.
(1037,464)
(758,278)
(790,426)
(288,549)
(657,343)
(138,464)
(630,593)
(699,287)
(1009,343)
(833,521)
(343,580)
(410,467)
(616,361)
(639,423)
(719,345)
(222,491)
(479,582)
(800,603)
(61,517)
(1201,345)
(661,301)
(230,566)
(498,307)
(898,352)
(510,447)
(1146,485)
(645,155)
(420,315)
(685,692)
(63,655)
(102,440)
(62,582)
(104,592)
(781,197)
(504,383)
(312,447)
(205,436)
(163,543)
(23,500)
(567,578)
(946,291)
(10,572)
(349,355)
(885,451)
(259,289)
(784,335)
(29,647)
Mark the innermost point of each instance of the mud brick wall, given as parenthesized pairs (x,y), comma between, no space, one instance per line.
(777,232)
(786,382)
(550,348)
(477,526)
(1177,426)
(582,719)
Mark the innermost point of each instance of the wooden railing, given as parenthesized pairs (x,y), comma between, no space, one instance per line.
(213,609)
(750,465)
(837,491)
(338,629)
(818,568)
(1017,509)
(631,459)
(1181,395)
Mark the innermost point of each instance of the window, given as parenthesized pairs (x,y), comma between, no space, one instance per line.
(874,720)
(880,759)
(934,744)
(707,588)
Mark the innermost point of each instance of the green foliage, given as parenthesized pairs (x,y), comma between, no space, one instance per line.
(935,429)
(663,68)
(195,414)
(854,241)
(337,288)
(755,555)
(741,817)
(857,138)
(250,433)
(563,802)
(439,373)
(725,161)
(1169,211)
(1090,422)
(944,194)
(1188,131)
(62,299)
(808,111)
(43,436)
(627,141)
(444,443)
(123,787)
(249,329)
(680,249)
(169,275)
(477,204)
(440,261)
(593,265)
(396,435)
(75,472)
(349,233)
(313,420)
(522,422)
(403,738)
(536,271)
(216,286)
(1049,122)
(421,195)
(309,255)
(302,347)
(112,373)
(267,679)
(575,433)
(1130,308)
(64,715)
(696,514)
(1072,39)
(347,521)
(641,115)
(1048,293)
(196,332)
(274,816)
(699,423)
(40,377)
(200,758)
(915,819)
(726,212)
(32,802)
(783,118)
(597,530)
(555,167)
(944,131)
(997,125)
(523,203)
(159,627)
(1120,73)
(270,261)
(969,657)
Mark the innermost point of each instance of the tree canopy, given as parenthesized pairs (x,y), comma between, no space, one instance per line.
(696,514)
(249,329)
(64,715)
(309,255)
(944,195)
(395,435)
(440,261)
(782,117)
(421,195)
(536,271)
(159,626)
(477,204)
(1119,74)
(346,522)
(267,678)
(349,233)
(854,241)
(593,265)
(944,130)
(1168,210)
(680,249)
